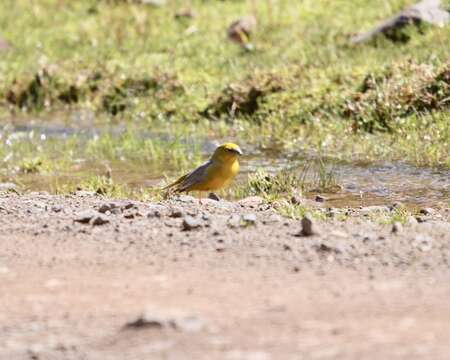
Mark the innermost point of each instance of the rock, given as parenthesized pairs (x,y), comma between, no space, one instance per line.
(91,217)
(213,196)
(307,226)
(251,201)
(131,214)
(153,320)
(57,208)
(99,219)
(396,227)
(8,186)
(190,223)
(147,322)
(240,30)
(107,207)
(428,11)
(176,213)
(287,247)
(319,198)
(427,211)
(85,216)
(249,219)
(155,211)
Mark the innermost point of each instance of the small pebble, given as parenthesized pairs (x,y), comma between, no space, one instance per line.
(427,211)
(307,226)
(397,228)
(213,196)
(249,218)
(190,223)
(320,198)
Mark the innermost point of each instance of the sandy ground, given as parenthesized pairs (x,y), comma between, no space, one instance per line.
(221,280)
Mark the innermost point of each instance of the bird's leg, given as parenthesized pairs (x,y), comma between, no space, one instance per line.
(200,197)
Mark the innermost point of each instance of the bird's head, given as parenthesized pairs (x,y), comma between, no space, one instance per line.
(227,152)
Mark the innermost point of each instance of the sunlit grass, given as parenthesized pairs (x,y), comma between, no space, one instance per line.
(138,68)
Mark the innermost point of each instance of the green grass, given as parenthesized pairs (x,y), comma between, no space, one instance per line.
(303,88)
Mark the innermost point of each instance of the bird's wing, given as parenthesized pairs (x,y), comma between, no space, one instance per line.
(194,177)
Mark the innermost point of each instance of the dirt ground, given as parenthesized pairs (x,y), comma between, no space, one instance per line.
(82,277)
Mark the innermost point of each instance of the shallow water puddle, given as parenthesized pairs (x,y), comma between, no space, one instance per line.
(361,185)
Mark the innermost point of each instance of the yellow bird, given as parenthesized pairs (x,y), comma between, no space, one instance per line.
(215,174)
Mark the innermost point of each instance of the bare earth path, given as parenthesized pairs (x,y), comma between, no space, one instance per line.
(217,281)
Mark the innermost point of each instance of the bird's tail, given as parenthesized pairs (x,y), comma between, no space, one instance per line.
(174,184)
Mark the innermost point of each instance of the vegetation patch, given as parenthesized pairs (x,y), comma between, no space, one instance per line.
(43,91)
(51,89)
(244,98)
(161,87)
(384,100)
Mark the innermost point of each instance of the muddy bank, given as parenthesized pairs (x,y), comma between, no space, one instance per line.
(94,278)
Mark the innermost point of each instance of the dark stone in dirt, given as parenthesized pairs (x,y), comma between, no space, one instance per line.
(287,247)
(107,207)
(427,211)
(213,196)
(145,322)
(128,206)
(185,323)
(57,208)
(307,226)
(319,198)
(99,219)
(220,248)
(397,227)
(156,211)
(190,223)
(176,213)
(131,214)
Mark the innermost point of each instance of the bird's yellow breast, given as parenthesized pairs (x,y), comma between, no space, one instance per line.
(218,175)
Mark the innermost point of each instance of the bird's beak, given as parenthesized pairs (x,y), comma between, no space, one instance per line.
(238,151)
